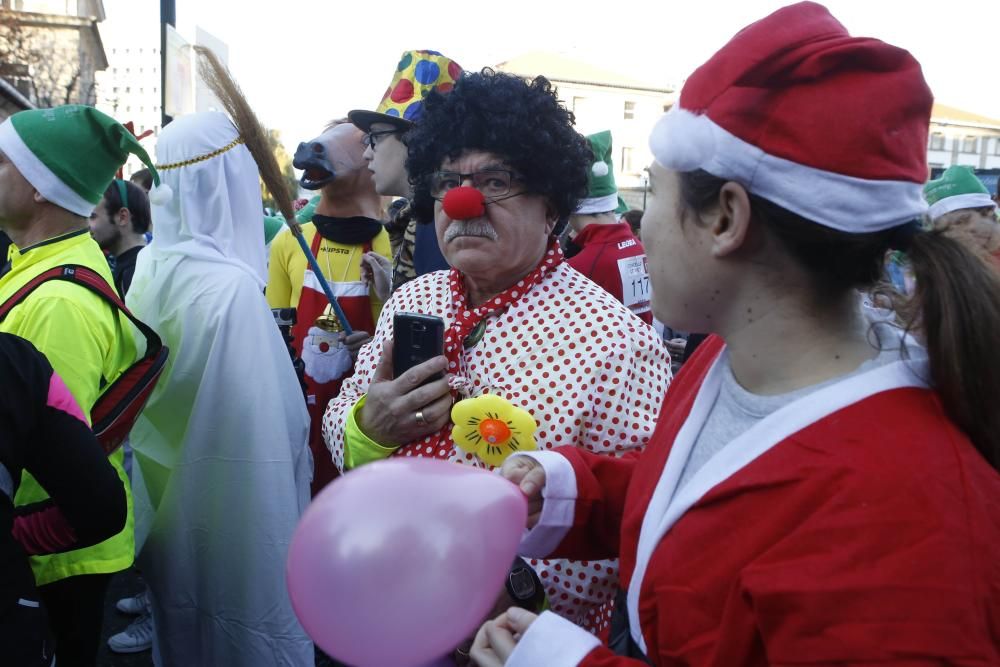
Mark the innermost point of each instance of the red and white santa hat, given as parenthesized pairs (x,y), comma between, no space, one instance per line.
(828,126)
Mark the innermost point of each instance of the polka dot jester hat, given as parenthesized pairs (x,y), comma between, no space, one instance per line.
(416,75)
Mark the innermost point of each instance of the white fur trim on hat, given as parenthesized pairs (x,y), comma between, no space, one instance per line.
(600,169)
(161,194)
(968,200)
(41,177)
(598,204)
(684,141)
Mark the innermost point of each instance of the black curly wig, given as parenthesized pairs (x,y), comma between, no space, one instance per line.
(503,114)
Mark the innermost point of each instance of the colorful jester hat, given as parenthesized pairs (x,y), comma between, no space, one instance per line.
(416,75)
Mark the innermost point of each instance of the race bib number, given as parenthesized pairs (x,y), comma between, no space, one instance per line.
(635,284)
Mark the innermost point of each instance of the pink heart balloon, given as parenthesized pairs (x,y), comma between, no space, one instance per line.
(399,561)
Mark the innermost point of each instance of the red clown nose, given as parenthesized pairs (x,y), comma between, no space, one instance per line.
(464,203)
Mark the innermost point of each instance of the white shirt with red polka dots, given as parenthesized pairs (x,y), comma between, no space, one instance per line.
(590,372)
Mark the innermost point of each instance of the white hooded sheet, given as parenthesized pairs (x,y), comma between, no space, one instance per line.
(222,444)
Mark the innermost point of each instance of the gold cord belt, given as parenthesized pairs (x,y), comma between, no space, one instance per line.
(208,156)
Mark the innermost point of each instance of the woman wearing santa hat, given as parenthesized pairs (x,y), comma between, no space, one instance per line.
(820,489)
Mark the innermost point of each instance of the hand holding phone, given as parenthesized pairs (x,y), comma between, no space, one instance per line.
(408,397)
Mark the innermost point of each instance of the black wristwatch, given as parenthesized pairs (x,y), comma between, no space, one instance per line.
(524,587)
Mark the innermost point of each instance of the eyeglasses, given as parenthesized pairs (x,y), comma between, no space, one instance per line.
(493,183)
(370,140)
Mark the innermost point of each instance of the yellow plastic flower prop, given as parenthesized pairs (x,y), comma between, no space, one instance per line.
(492,428)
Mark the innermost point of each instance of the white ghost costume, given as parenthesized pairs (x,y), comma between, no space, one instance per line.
(222,445)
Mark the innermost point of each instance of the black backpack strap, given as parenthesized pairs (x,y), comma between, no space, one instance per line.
(85,277)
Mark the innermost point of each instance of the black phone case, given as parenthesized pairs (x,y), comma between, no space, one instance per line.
(415,339)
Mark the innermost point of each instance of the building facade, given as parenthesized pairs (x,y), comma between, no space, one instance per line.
(959,137)
(605,100)
(51,50)
(11,100)
(130,88)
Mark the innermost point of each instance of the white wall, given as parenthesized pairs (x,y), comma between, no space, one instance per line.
(600,108)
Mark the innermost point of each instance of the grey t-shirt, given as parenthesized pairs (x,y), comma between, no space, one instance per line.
(736,409)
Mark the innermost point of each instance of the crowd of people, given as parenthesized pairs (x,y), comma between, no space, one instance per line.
(818,485)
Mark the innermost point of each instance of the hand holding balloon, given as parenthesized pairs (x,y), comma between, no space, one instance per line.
(529,475)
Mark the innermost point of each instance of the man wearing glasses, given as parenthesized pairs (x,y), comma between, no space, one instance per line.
(495,164)
(415,248)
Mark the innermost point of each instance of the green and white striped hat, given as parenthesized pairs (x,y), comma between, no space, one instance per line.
(69,154)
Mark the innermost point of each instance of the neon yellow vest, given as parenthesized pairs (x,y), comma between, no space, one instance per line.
(88,345)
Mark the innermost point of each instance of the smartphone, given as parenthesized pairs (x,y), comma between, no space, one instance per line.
(416,338)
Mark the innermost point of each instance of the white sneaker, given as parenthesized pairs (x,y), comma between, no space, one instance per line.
(138,636)
(137,605)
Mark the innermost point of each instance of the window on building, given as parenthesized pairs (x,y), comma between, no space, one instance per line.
(577,103)
(628,157)
(996,146)
(115,89)
(629,110)
(128,89)
(969,144)
(937,141)
(128,109)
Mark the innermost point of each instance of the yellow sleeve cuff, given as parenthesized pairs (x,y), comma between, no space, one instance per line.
(359,449)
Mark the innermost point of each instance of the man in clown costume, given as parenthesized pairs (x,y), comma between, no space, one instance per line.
(343,230)
(496,164)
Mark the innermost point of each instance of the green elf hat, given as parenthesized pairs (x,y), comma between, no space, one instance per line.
(70,153)
(602,193)
(622,206)
(417,74)
(957,188)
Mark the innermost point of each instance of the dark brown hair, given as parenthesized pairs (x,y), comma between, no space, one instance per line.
(956,306)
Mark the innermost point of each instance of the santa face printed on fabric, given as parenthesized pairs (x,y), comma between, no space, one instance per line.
(324,355)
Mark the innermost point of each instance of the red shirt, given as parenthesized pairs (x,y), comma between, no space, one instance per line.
(614,258)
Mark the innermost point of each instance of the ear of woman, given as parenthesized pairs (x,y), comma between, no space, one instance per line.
(732,221)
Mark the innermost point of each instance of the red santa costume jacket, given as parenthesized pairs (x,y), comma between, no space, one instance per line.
(856,525)
(614,258)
